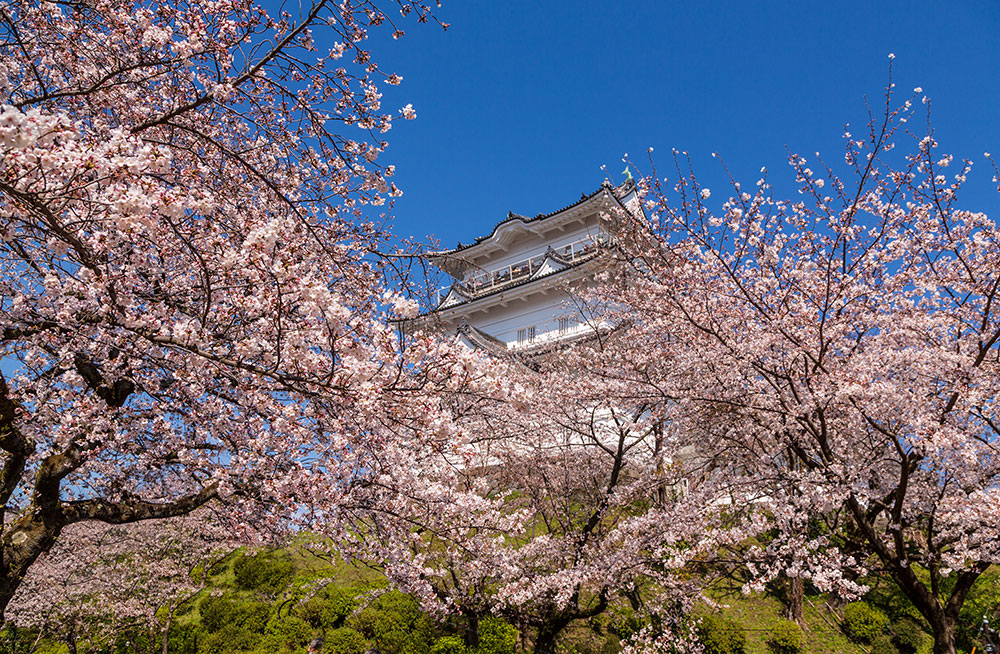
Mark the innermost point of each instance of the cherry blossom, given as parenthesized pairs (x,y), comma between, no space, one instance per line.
(544,502)
(192,278)
(101,582)
(830,364)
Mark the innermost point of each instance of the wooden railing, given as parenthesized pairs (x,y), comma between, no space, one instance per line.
(485,283)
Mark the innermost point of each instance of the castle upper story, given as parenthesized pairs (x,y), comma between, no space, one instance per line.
(512,289)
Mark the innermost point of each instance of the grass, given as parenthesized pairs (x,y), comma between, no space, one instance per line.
(758,614)
(308,568)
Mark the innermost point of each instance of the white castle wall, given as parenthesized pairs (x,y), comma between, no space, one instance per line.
(530,245)
(502,311)
(541,311)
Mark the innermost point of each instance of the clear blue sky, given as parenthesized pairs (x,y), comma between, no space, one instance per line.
(519,103)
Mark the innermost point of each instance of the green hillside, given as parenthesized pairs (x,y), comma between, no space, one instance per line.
(281,600)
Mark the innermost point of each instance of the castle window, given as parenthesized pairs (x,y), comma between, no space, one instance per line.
(525,335)
(565,324)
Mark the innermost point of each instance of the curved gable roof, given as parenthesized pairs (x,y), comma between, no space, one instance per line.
(618,193)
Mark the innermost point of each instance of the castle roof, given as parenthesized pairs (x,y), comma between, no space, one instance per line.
(456,259)
(553,263)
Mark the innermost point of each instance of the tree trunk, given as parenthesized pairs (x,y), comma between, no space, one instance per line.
(547,635)
(795,596)
(166,630)
(944,634)
(471,634)
(546,641)
(7,590)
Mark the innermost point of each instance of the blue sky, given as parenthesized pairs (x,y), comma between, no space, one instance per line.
(520,103)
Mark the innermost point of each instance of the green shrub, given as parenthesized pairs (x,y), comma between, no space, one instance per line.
(785,638)
(291,629)
(496,636)
(264,572)
(228,640)
(14,640)
(252,616)
(285,635)
(395,623)
(344,641)
(127,641)
(184,639)
(329,608)
(883,645)
(448,645)
(721,635)
(891,600)
(863,622)
(216,612)
(907,636)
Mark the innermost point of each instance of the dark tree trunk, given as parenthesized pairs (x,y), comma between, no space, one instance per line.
(794,598)
(471,634)
(546,641)
(941,613)
(548,633)
(165,643)
(944,634)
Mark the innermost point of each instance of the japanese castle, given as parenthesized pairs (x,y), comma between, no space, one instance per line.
(511,289)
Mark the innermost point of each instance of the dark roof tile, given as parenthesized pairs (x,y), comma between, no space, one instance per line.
(618,192)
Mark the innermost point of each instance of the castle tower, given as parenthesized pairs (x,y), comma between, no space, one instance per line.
(510,288)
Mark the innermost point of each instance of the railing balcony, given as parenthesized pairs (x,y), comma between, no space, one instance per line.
(485,283)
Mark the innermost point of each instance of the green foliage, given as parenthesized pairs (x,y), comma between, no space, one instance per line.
(983,599)
(231,639)
(785,638)
(16,641)
(496,636)
(130,640)
(720,635)
(48,647)
(216,612)
(329,608)
(907,636)
(265,572)
(863,622)
(284,636)
(448,645)
(892,601)
(623,622)
(183,609)
(252,616)
(184,639)
(883,645)
(344,641)
(395,624)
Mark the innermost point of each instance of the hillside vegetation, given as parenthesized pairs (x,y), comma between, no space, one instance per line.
(281,600)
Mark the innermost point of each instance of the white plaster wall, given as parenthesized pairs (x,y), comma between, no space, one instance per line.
(541,311)
(528,246)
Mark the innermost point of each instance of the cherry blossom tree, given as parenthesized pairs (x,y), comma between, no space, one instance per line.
(545,502)
(102,582)
(831,361)
(192,288)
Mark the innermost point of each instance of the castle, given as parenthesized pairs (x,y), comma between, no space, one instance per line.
(510,289)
